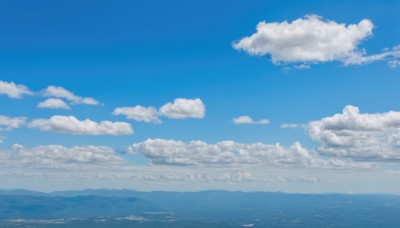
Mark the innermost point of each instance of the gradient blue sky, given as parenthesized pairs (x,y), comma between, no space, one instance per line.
(127,53)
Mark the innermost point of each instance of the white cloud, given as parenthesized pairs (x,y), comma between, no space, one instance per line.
(184,108)
(308,39)
(359,136)
(53,103)
(57,156)
(139,113)
(60,92)
(312,40)
(180,109)
(13,90)
(8,123)
(71,125)
(249,120)
(198,153)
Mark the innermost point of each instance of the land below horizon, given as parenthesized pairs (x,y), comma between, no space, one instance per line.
(119,208)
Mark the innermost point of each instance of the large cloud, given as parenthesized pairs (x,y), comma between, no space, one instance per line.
(60,92)
(8,123)
(71,125)
(139,113)
(359,136)
(311,40)
(184,108)
(13,90)
(198,153)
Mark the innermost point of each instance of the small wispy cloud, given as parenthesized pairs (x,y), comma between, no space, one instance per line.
(53,103)
(249,120)
(60,92)
(287,125)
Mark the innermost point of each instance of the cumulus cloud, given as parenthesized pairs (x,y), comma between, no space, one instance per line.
(8,123)
(139,113)
(198,153)
(249,120)
(359,136)
(71,125)
(16,91)
(60,92)
(13,90)
(56,156)
(184,108)
(53,103)
(313,40)
(180,109)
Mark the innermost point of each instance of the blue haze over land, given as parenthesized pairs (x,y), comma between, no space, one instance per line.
(122,208)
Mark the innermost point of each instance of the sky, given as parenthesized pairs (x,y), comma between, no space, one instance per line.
(289,95)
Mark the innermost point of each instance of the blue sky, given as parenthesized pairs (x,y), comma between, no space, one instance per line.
(149,53)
